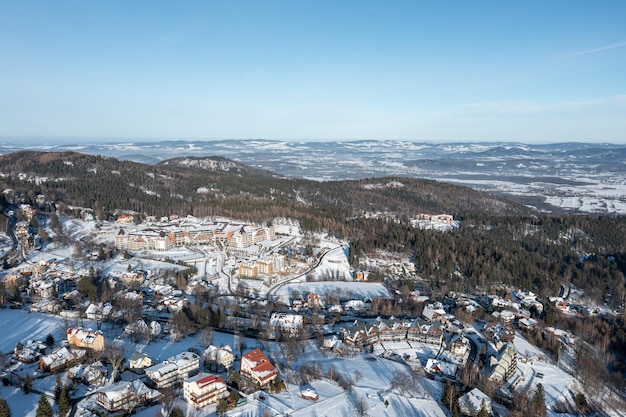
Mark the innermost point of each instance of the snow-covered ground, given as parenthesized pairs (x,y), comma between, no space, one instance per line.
(370,374)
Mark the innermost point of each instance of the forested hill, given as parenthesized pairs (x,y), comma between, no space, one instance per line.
(219,186)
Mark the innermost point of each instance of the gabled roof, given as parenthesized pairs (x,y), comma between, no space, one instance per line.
(259,363)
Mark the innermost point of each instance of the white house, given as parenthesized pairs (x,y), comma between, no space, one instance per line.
(174,370)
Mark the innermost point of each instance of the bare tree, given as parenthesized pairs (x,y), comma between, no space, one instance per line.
(206,336)
(357,376)
(168,400)
(361,406)
(116,353)
(401,381)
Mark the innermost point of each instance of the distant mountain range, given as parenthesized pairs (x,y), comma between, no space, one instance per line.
(579,177)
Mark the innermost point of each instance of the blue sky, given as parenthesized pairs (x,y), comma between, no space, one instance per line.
(532,71)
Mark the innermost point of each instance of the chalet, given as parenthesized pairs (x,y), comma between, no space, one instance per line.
(125,396)
(91,374)
(314,301)
(439,367)
(140,360)
(434,312)
(85,339)
(499,332)
(202,390)
(299,304)
(459,346)
(526,323)
(174,370)
(98,311)
(218,358)
(61,358)
(471,403)
(30,352)
(258,368)
(559,304)
(125,219)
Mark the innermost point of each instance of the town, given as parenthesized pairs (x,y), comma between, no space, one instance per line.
(187,316)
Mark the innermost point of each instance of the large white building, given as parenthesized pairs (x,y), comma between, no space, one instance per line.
(289,325)
(202,390)
(174,370)
(165,237)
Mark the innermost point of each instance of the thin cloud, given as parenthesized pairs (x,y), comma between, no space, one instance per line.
(595,50)
(520,107)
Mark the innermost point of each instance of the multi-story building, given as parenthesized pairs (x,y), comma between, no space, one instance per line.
(248,271)
(425,333)
(258,368)
(202,390)
(284,324)
(360,335)
(174,370)
(392,331)
(502,362)
(125,396)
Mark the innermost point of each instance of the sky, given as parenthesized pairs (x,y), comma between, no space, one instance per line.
(528,71)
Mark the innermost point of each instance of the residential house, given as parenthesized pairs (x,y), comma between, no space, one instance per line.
(98,311)
(30,352)
(258,368)
(434,312)
(202,390)
(440,367)
(314,301)
(61,358)
(91,374)
(471,403)
(140,360)
(86,339)
(174,370)
(459,346)
(218,358)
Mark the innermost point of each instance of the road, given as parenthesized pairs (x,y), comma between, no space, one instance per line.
(279,284)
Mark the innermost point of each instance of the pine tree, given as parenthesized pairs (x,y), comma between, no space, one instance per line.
(64,402)
(177,412)
(27,385)
(57,388)
(44,409)
(483,410)
(5,411)
(539,401)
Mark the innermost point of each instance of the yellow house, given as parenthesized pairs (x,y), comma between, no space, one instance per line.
(85,339)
